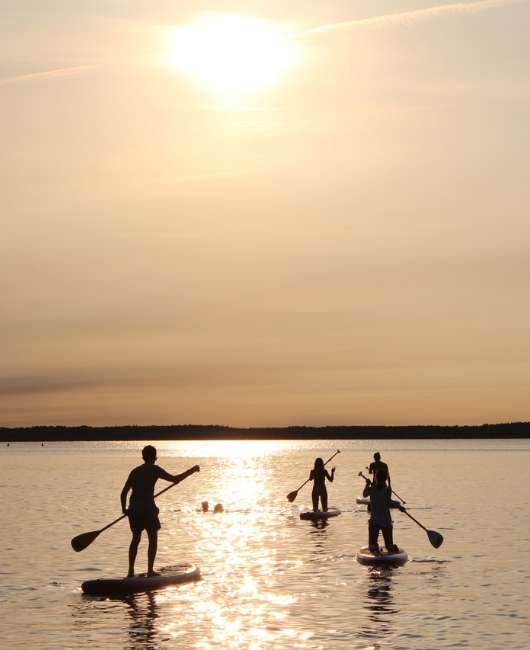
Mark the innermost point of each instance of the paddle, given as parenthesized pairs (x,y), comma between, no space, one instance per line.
(394,493)
(434,538)
(80,542)
(292,495)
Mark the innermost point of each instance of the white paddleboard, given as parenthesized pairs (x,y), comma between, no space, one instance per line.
(313,515)
(170,575)
(365,556)
(362,501)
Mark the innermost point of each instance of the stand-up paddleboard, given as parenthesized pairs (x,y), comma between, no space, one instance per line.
(318,515)
(170,575)
(365,556)
(362,501)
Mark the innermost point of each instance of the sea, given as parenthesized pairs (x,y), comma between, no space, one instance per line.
(269,580)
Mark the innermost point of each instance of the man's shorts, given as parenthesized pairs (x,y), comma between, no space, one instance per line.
(143,519)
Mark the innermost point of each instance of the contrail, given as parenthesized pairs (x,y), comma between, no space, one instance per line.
(47,74)
(419,14)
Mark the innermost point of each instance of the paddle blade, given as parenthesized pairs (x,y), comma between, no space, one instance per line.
(80,542)
(435,538)
(292,496)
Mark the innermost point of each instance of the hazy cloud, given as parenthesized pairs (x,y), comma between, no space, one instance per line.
(24,385)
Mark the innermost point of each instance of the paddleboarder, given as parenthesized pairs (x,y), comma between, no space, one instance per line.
(318,475)
(380,520)
(142,510)
(377,465)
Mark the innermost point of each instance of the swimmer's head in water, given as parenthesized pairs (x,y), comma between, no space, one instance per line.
(319,463)
(149,454)
(205,506)
(218,507)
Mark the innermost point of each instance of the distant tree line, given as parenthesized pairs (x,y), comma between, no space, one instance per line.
(213,432)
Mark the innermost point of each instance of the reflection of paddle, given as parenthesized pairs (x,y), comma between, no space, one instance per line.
(292,495)
(434,538)
(394,493)
(80,542)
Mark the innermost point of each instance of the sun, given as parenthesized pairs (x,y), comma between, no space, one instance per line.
(231,54)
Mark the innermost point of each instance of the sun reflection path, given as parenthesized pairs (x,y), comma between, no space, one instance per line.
(237,604)
(226,448)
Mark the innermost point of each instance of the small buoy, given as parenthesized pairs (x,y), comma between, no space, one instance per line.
(204,506)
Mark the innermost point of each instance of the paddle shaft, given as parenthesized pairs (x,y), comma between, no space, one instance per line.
(413,519)
(328,460)
(400,498)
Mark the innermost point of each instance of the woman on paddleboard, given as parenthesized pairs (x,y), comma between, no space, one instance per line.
(318,475)
(380,519)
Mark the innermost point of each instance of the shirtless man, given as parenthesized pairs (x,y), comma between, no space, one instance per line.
(142,511)
(377,465)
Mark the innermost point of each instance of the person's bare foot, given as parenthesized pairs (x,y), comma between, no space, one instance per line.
(130,575)
(152,574)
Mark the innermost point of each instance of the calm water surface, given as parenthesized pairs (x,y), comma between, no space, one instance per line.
(269,579)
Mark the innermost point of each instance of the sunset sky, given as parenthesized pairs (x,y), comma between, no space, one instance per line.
(264,213)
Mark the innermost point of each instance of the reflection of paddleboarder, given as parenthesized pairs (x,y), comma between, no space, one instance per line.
(318,475)
(380,520)
(142,511)
(377,465)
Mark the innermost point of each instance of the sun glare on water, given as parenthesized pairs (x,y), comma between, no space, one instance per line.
(232,55)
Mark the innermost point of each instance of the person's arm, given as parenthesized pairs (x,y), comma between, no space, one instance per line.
(330,478)
(177,478)
(311,475)
(366,491)
(124,493)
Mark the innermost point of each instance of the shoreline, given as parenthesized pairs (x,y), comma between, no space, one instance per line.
(514,430)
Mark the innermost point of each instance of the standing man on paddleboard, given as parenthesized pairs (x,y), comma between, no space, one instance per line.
(142,511)
(377,465)
(380,519)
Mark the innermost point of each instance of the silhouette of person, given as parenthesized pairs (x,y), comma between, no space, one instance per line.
(318,475)
(142,511)
(380,520)
(377,465)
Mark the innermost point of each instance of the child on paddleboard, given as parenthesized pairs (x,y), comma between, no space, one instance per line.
(318,475)
(380,520)
(142,511)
